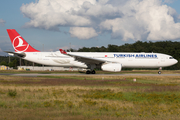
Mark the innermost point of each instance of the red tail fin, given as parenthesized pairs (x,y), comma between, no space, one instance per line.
(19,44)
(62,51)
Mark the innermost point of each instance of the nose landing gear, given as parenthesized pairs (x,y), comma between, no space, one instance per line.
(159,72)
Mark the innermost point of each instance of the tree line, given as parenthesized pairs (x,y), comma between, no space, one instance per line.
(166,47)
(14,62)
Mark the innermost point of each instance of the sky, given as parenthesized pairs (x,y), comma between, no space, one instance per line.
(49,25)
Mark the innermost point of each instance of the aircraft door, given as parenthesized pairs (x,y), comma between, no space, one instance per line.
(161,61)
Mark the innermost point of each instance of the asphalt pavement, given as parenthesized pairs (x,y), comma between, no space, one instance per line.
(35,75)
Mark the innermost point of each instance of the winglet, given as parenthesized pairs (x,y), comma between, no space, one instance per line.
(62,51)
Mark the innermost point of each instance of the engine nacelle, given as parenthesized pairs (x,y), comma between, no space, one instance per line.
(112,67)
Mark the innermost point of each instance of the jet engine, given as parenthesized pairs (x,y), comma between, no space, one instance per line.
(111,67)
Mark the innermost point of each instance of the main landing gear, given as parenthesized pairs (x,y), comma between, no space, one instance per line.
(91,68)
(90,72)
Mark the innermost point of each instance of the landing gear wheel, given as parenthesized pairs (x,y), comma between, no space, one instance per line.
(159,72)
(88,72)
(93,72)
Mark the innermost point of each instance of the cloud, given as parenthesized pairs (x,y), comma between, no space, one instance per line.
(82,32)
(2,22)
(123,19)
(52,14)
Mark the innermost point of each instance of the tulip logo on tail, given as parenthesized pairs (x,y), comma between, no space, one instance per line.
(19,45)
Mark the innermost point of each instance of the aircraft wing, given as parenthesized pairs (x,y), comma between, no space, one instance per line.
(87,60)
(21,55)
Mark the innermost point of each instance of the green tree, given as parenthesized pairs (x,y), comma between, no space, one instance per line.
(13,63)
(3,63)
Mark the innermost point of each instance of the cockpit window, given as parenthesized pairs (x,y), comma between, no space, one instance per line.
(171,58)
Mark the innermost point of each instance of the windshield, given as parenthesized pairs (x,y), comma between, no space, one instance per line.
(171,58)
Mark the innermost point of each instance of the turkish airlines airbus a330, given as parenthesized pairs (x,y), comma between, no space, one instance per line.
(107,61)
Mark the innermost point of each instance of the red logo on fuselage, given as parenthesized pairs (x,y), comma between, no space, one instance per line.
(19,45)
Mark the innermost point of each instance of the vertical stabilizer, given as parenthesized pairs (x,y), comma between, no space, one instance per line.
(18,43)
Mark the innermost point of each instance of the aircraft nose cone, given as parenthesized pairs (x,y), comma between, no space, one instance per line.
(176,61)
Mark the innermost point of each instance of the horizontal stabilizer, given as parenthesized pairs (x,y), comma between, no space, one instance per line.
(20,55)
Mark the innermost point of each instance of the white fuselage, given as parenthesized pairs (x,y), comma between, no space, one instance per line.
(128,60)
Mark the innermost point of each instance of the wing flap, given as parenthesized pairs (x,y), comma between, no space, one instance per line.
(88,60)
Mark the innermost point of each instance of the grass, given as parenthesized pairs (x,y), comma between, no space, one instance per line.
(94,98)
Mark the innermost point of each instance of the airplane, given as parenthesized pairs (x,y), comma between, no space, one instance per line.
(106,61)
